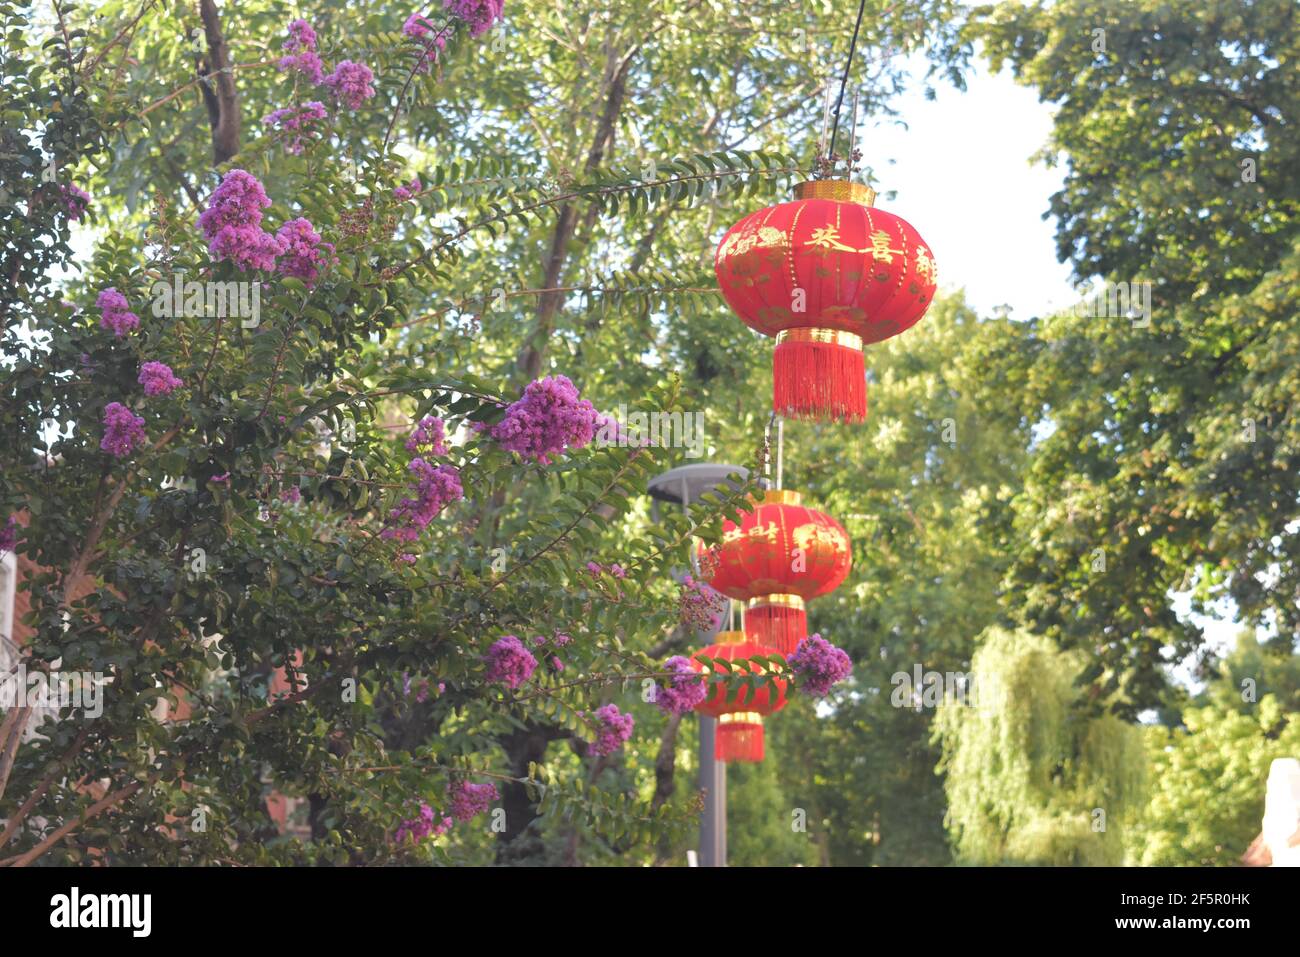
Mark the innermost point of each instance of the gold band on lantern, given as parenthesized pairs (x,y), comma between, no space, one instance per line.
(838,189)
(837,337)
(781,496)
(740,717)
(782,601)
(729,638)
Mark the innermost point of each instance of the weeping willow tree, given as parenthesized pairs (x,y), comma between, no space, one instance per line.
(1032,776)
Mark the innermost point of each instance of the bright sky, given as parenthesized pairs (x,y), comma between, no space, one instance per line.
(964,179)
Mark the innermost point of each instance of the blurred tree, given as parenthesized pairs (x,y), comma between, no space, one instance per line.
(1209,773)
(1208,781)
(1029,780)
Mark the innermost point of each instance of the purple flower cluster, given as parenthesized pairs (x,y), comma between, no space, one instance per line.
(232,223)
(350,83)
(403,193)
(684,690)
(298,122)
(115,312)
(612,729)
(418,828)
(558,639)
(301,37)
(509,662)
(818,664)
(547,419)
(429,437)
(301,47)
(596,570)
(478,15)
(9,535)
(418,27)
(302,253)
(700,607)
(123,430)
(466,801)
(75,200)
(435,488)
(158,379)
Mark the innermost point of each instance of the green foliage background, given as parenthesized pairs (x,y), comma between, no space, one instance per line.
(1026,496)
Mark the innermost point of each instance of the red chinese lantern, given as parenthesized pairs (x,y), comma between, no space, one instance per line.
(824,275)
(779,555)
(740,720)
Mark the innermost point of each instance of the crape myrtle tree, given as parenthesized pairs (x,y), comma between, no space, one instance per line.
(307,563)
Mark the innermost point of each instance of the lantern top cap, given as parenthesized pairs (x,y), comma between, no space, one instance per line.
(781,496)
(841,190)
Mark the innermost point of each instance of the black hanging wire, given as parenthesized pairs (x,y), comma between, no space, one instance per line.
(853,46)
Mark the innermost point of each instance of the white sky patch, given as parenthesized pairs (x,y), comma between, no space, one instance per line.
(964,179)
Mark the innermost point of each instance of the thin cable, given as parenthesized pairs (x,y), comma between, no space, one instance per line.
(853,45)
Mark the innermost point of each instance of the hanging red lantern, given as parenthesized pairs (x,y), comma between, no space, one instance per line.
(740,720)
(779,555)
(825,275)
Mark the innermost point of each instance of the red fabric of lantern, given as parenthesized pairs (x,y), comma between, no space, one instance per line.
(825,274)
(740,719)
(780,554)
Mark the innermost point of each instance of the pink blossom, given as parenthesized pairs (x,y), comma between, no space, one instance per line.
(509,662)
(232,223)
(403,193)
(158,379)
(818,665)
(419,27)
(350,83)
(546,420)
(9,535)
(466,801)
(435,489)
(685,689)
(75,200)
(298,122)
(307,63)
(115,313)
(612,729)
(301,47)
(425,825)
(123,430)
(615,569)
(429,437)
(303,254)
(301,37)
(478,15)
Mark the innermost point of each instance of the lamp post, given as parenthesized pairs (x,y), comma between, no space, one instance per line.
(682,486)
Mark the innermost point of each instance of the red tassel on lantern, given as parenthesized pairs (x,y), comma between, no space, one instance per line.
(819,374)
(778,621)
(739,737)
